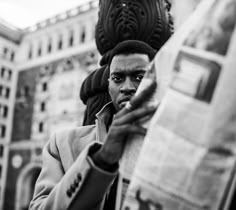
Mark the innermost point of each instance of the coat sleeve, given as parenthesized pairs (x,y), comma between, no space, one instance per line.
(82,187)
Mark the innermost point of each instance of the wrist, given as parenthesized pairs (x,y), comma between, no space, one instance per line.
(101,161)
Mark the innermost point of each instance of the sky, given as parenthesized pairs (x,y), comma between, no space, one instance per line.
(24,13)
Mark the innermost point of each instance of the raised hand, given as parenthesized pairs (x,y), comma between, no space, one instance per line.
(124,124)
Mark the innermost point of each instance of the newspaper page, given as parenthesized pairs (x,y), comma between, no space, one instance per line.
(165,56)
(188,158)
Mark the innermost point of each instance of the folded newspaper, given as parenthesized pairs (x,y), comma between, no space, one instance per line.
(188,158)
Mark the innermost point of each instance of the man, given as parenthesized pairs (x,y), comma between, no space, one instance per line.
(80,165)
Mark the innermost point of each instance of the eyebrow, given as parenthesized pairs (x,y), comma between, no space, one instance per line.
(128,71)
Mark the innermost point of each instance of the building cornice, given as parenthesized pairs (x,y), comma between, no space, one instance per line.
(15,34)
(89,6)
(10,32)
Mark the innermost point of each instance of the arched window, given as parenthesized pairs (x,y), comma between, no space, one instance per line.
(41,127)
(44,86)
(60,43)
(1,150)
(82,35)
(42,106)
(71,39)
(49,49)
(30,53)
(40,49)
(12,56)
(2,131)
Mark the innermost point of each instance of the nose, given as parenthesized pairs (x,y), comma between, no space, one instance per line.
(128,87)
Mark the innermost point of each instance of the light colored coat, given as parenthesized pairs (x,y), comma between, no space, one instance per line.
(69,179)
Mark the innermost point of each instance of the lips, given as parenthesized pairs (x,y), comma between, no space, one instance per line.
(122,102)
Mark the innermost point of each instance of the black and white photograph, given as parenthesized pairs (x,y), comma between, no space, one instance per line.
(117,105)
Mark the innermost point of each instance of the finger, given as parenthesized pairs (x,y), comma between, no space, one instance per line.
(143,95)
(146,108)
(134,115)
(130,129)
(140,98)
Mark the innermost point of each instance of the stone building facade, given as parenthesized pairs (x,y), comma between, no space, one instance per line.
(9,44)
(41,72)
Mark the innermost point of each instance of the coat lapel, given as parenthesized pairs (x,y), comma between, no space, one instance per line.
(87,134)
(82,138)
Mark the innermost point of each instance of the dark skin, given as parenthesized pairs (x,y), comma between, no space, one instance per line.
(126,73)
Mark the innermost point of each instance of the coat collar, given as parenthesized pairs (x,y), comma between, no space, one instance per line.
(104,119)
(93,133)
(105,115)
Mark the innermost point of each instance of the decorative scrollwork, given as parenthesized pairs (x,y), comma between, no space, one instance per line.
(144,20)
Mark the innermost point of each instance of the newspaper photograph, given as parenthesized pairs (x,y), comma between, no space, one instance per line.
(188,157)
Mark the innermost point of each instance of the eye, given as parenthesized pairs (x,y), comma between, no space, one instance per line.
(139,77)
(116,78)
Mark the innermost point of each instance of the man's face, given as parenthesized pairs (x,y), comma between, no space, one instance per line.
(126,73)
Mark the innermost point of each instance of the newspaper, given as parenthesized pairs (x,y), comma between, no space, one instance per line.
(188,158)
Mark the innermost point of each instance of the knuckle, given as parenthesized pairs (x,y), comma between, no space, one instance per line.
(115,117)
